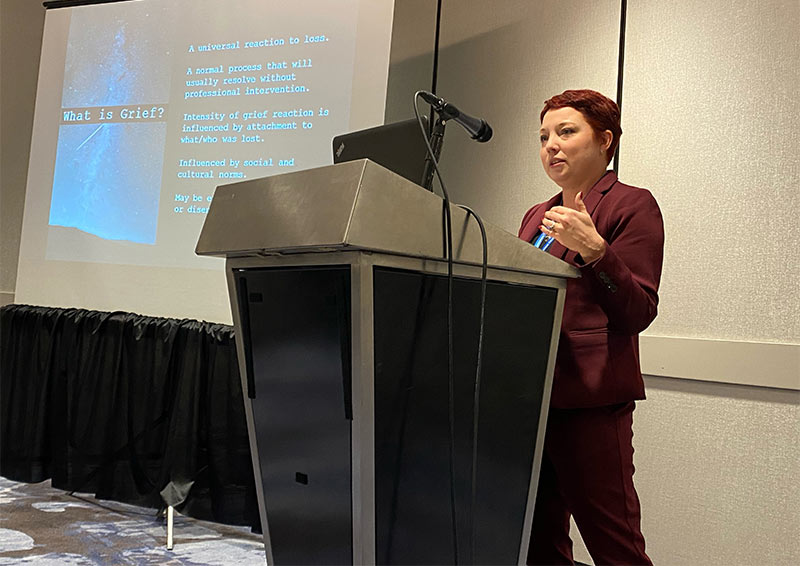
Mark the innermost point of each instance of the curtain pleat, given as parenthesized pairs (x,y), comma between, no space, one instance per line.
(131,408)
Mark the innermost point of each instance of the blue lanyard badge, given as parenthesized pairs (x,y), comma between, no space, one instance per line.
(543,242)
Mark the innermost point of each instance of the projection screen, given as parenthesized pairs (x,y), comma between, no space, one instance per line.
(143,107)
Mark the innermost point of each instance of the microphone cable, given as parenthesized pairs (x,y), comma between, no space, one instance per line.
(450,368)
(476,401)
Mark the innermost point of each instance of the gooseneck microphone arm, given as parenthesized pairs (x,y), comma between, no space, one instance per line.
(477,128)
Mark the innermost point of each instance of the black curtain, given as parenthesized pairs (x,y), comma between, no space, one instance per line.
(132,408)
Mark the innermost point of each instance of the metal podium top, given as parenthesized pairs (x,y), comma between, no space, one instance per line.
(358,205)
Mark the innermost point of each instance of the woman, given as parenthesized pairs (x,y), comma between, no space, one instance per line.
(614,234)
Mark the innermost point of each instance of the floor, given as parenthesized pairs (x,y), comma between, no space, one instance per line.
(48,527)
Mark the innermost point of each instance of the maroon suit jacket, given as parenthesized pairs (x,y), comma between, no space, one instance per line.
(614,299)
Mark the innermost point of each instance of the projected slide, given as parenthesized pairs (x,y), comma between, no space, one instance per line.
(144,107)
(154,115)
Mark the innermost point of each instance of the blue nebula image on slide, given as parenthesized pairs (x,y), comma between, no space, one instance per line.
(107,180)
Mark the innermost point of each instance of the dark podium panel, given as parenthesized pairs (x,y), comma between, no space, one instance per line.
(412,470)
(339,298)
(298,326)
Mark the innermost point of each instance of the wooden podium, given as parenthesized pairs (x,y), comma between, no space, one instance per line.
(339,296)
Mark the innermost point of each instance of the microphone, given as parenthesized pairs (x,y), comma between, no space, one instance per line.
(477,128)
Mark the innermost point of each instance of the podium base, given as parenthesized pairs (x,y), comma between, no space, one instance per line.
(299,329)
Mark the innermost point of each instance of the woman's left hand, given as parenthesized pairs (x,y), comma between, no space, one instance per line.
(574,229)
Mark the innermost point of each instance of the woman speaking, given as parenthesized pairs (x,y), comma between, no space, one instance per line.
(613,233)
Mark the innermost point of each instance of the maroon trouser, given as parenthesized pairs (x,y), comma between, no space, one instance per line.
(587,472)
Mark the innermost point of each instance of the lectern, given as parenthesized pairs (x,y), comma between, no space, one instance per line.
(339,296)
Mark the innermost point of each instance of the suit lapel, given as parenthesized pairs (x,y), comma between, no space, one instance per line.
(595,194)
(591,200)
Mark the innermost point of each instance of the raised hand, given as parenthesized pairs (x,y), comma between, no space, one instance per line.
(575,230)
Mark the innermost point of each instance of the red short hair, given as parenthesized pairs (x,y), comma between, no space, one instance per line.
(600,112)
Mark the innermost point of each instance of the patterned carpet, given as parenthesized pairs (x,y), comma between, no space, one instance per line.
(48,527)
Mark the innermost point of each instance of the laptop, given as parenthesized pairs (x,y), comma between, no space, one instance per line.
(399,147)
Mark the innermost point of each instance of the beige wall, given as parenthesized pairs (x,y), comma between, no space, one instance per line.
(711,112)
(21,24)
(718,473)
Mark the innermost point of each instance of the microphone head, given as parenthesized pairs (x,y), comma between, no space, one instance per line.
(485,133)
